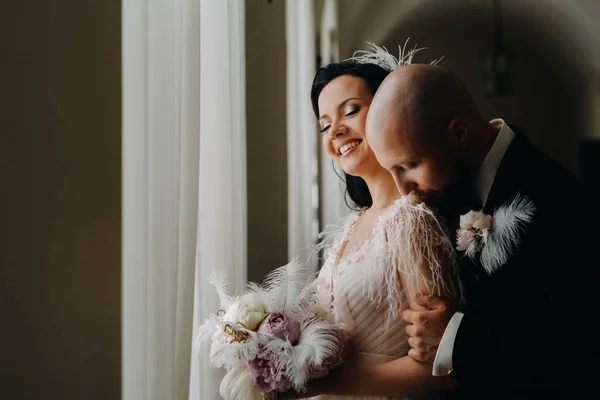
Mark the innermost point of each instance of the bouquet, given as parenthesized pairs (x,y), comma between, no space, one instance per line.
(272,338)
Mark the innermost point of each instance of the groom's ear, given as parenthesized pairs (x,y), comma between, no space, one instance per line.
(459,130)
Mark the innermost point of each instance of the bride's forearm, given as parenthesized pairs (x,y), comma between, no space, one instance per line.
(398,378)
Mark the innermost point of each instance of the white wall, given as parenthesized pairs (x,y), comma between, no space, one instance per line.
(60,200)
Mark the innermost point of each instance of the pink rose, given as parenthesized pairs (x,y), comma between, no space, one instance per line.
(464,239)
(280,326)
(476,220)
(266,375)
(483,222)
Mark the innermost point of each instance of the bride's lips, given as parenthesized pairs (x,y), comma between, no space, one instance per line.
(349,147)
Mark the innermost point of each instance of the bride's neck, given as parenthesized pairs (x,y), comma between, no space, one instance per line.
(382,188)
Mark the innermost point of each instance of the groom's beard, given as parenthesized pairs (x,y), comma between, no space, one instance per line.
(457,197)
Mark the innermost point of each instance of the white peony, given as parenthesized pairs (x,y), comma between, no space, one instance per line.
(249,311)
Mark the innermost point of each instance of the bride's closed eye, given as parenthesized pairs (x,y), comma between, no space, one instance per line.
(350,111)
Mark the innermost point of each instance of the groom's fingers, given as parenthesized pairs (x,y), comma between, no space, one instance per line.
(414,354)
(416,317)
(411,330)
(422,348)
(427,325)
(424,357)
(409,316)
(415,343)
(420,334)
(429,302)
(425,301)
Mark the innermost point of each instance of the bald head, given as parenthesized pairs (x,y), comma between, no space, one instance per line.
(423,99)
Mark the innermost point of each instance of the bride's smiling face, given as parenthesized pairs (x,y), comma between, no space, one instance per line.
(343,107)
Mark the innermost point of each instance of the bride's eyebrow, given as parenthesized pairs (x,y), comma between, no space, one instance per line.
(341,105)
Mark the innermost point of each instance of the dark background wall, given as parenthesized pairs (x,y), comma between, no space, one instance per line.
(60,199)
(266,137)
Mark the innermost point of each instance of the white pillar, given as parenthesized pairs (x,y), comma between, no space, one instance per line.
(302,132)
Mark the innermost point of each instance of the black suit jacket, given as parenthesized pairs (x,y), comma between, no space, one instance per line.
(528,330)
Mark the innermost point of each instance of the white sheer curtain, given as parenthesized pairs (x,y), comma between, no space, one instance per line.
(222,201)
(160,192)
(183,185)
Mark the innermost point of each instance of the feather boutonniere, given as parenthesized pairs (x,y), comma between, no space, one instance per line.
(494,237)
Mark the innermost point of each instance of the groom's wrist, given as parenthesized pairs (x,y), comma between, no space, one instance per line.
(442,364)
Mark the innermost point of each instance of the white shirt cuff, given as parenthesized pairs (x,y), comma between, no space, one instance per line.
(442,364)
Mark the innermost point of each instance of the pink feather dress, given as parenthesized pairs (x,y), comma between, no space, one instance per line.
(364,288)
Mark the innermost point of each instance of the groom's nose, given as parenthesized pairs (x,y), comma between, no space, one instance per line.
(405,186)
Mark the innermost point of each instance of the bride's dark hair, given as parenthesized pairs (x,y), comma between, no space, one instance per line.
(356,187)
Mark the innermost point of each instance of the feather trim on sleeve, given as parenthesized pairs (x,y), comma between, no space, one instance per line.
(413,240)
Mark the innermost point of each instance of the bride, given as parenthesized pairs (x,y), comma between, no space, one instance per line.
(389,250)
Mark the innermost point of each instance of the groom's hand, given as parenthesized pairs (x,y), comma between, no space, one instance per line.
(426,327)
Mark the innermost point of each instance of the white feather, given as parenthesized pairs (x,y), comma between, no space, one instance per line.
(379,55)
(283,287)
(317,336)
(203,334)
(254,287)
(318,342)
(299,366)
(237,385)
(505,236)
(220,283)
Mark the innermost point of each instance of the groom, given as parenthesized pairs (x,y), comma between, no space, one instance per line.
(526,330)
